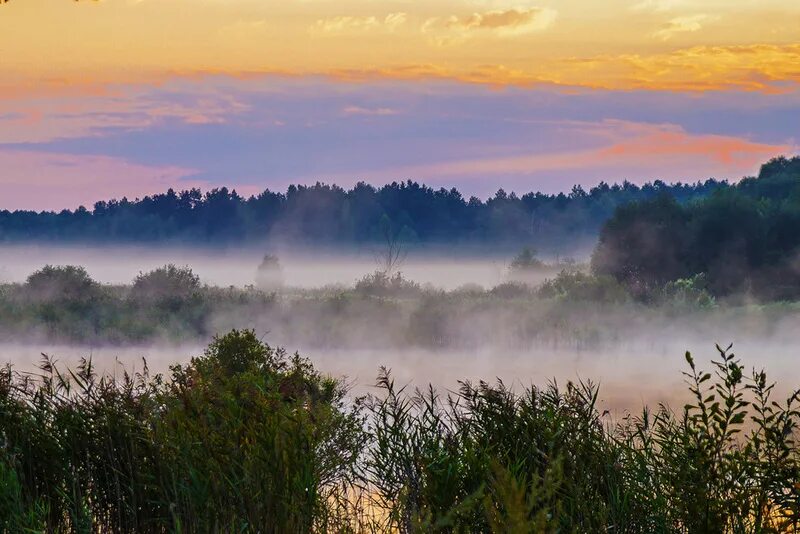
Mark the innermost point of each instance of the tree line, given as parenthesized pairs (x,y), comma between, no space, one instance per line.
(330,214)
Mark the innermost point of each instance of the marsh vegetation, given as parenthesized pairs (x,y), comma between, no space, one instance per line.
(248,438)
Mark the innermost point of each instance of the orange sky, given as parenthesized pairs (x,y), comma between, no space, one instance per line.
(630,44)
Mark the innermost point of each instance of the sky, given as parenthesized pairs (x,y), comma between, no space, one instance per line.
(113,98)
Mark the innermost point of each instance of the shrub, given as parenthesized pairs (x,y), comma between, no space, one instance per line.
(246,438)
(62,283)
(242,438)
(510,290)
(578,286)
(381,284)
(543,460)
(168,286)
(691,292)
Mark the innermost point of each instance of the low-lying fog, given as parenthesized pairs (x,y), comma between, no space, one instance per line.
(631,369)
(237,267)
(630,376)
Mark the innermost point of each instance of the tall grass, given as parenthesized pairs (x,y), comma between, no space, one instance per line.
(249,439)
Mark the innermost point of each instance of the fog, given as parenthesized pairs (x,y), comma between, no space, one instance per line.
(634,353)
(630,375)
(237,267)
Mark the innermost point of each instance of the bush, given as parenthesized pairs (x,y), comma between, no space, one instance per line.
(381,284)
(510,290)
(488,459)
(242,438)
(168,286)
(690,292)
(63,283)
(246,438)
(578,286)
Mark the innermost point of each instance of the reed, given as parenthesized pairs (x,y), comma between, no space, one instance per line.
(248,438)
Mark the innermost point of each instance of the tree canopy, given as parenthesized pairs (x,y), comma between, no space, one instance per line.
(744,238)
(324,213)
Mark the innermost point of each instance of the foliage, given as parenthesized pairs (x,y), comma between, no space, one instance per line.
(247,438)
(689,292)
(543,460)
(68,283)
(579,286)
(742,238)
(167,286)
(526,260)
(381,284)
(242,438)
(331,215)
(570,309)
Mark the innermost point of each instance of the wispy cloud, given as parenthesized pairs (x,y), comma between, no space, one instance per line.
(138,107)
(502,23)
(759,67)
(661,150)
(379,112)
(687,24)
(346,24)
(660,5)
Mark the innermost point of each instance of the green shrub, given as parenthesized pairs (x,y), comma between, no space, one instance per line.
(579,286)
(168,286)
(63,283)
(242,438)
(688,292)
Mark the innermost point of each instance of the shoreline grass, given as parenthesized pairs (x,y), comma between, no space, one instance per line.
(248,438)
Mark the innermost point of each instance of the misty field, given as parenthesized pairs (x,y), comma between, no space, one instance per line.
(248,437)
(430,392)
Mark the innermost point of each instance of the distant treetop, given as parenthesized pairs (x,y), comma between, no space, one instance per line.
(330,214)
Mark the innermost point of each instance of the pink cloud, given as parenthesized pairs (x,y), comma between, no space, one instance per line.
(646,150)
(43,180)
(379,112)
(40,119)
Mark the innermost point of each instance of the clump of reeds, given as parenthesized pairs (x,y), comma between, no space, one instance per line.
(488,459)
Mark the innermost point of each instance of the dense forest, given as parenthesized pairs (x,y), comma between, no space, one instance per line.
(328,214)
(742,239)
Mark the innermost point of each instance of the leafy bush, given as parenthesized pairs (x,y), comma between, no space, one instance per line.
(578,286)
(690,292)
(167,286)
(62,283)
(510,290)
(247,438)
(242,438)
(543,460)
